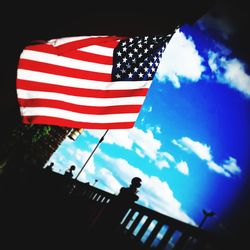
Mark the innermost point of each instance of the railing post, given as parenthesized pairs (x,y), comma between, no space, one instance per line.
(153,234)
(135,223)
(165,239)
(143,229)
(181,242)
(128,218)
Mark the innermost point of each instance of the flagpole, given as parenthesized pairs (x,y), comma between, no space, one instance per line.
(74,183)
(102,138)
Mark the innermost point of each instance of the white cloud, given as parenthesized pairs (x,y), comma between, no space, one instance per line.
(212,61)
(82,157)
(150,109)
(70,150)
(146,142)
(83,177)
(77,158)
(236,76)
(182,166)
(228,168)
(180,59)
(162,164)
(217,168)
(201,150)
(230,165)
(163,159)
(158,130)
(139,152)
(111,184)
(142,142)
(127,138)
(231,72)
(159,196)
(121,168)
(118,137)
(154,193)
(60,162)
(168,156)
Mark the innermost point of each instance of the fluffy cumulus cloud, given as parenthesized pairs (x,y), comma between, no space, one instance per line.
(154,193)
(162,164)
(72,155)
(168,156)
(110,183)
(201,150)
(142,142)
(228,168)
(230,71)
(231,166)
(119,137)
(182,166)
(185,61)
(217,168)
(146,142)
(59,162)
(82,156)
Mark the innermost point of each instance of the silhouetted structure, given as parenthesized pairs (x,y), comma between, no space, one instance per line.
(32,143)
(117,208)
(49,208)
(49,167)
(206,215)
(69,172)
(126,197)
(24,154)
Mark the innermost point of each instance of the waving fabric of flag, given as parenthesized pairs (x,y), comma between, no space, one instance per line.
(92,82)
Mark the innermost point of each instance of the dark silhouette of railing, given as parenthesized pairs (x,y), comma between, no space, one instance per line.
(149,228)
(146,228)
(62,203)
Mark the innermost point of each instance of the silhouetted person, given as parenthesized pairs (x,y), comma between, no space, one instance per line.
(69,184)
(49,167)
(126,197)
(69,172)
(109,222)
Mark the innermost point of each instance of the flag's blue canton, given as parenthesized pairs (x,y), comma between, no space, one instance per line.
(137,58)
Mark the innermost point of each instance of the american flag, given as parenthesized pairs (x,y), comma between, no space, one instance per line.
(93,82)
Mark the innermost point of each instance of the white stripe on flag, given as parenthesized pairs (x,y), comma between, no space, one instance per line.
(96,49)
(65,61)
(30,75)
(53,112)
(88,101)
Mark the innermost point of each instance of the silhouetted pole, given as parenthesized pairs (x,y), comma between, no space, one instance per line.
(95,182)
(206,215)
(100,141)
(102,138)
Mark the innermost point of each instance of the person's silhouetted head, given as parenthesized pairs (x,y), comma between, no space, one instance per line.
(136,182)
(50,166)
(72,168)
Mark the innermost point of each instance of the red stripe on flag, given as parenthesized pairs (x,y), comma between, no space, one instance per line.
(74,124)
(47,48)
(118,109)
(63,71)
(96,93)
(109,42)
(74,54)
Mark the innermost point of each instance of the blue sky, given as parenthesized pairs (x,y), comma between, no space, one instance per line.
(189,144)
